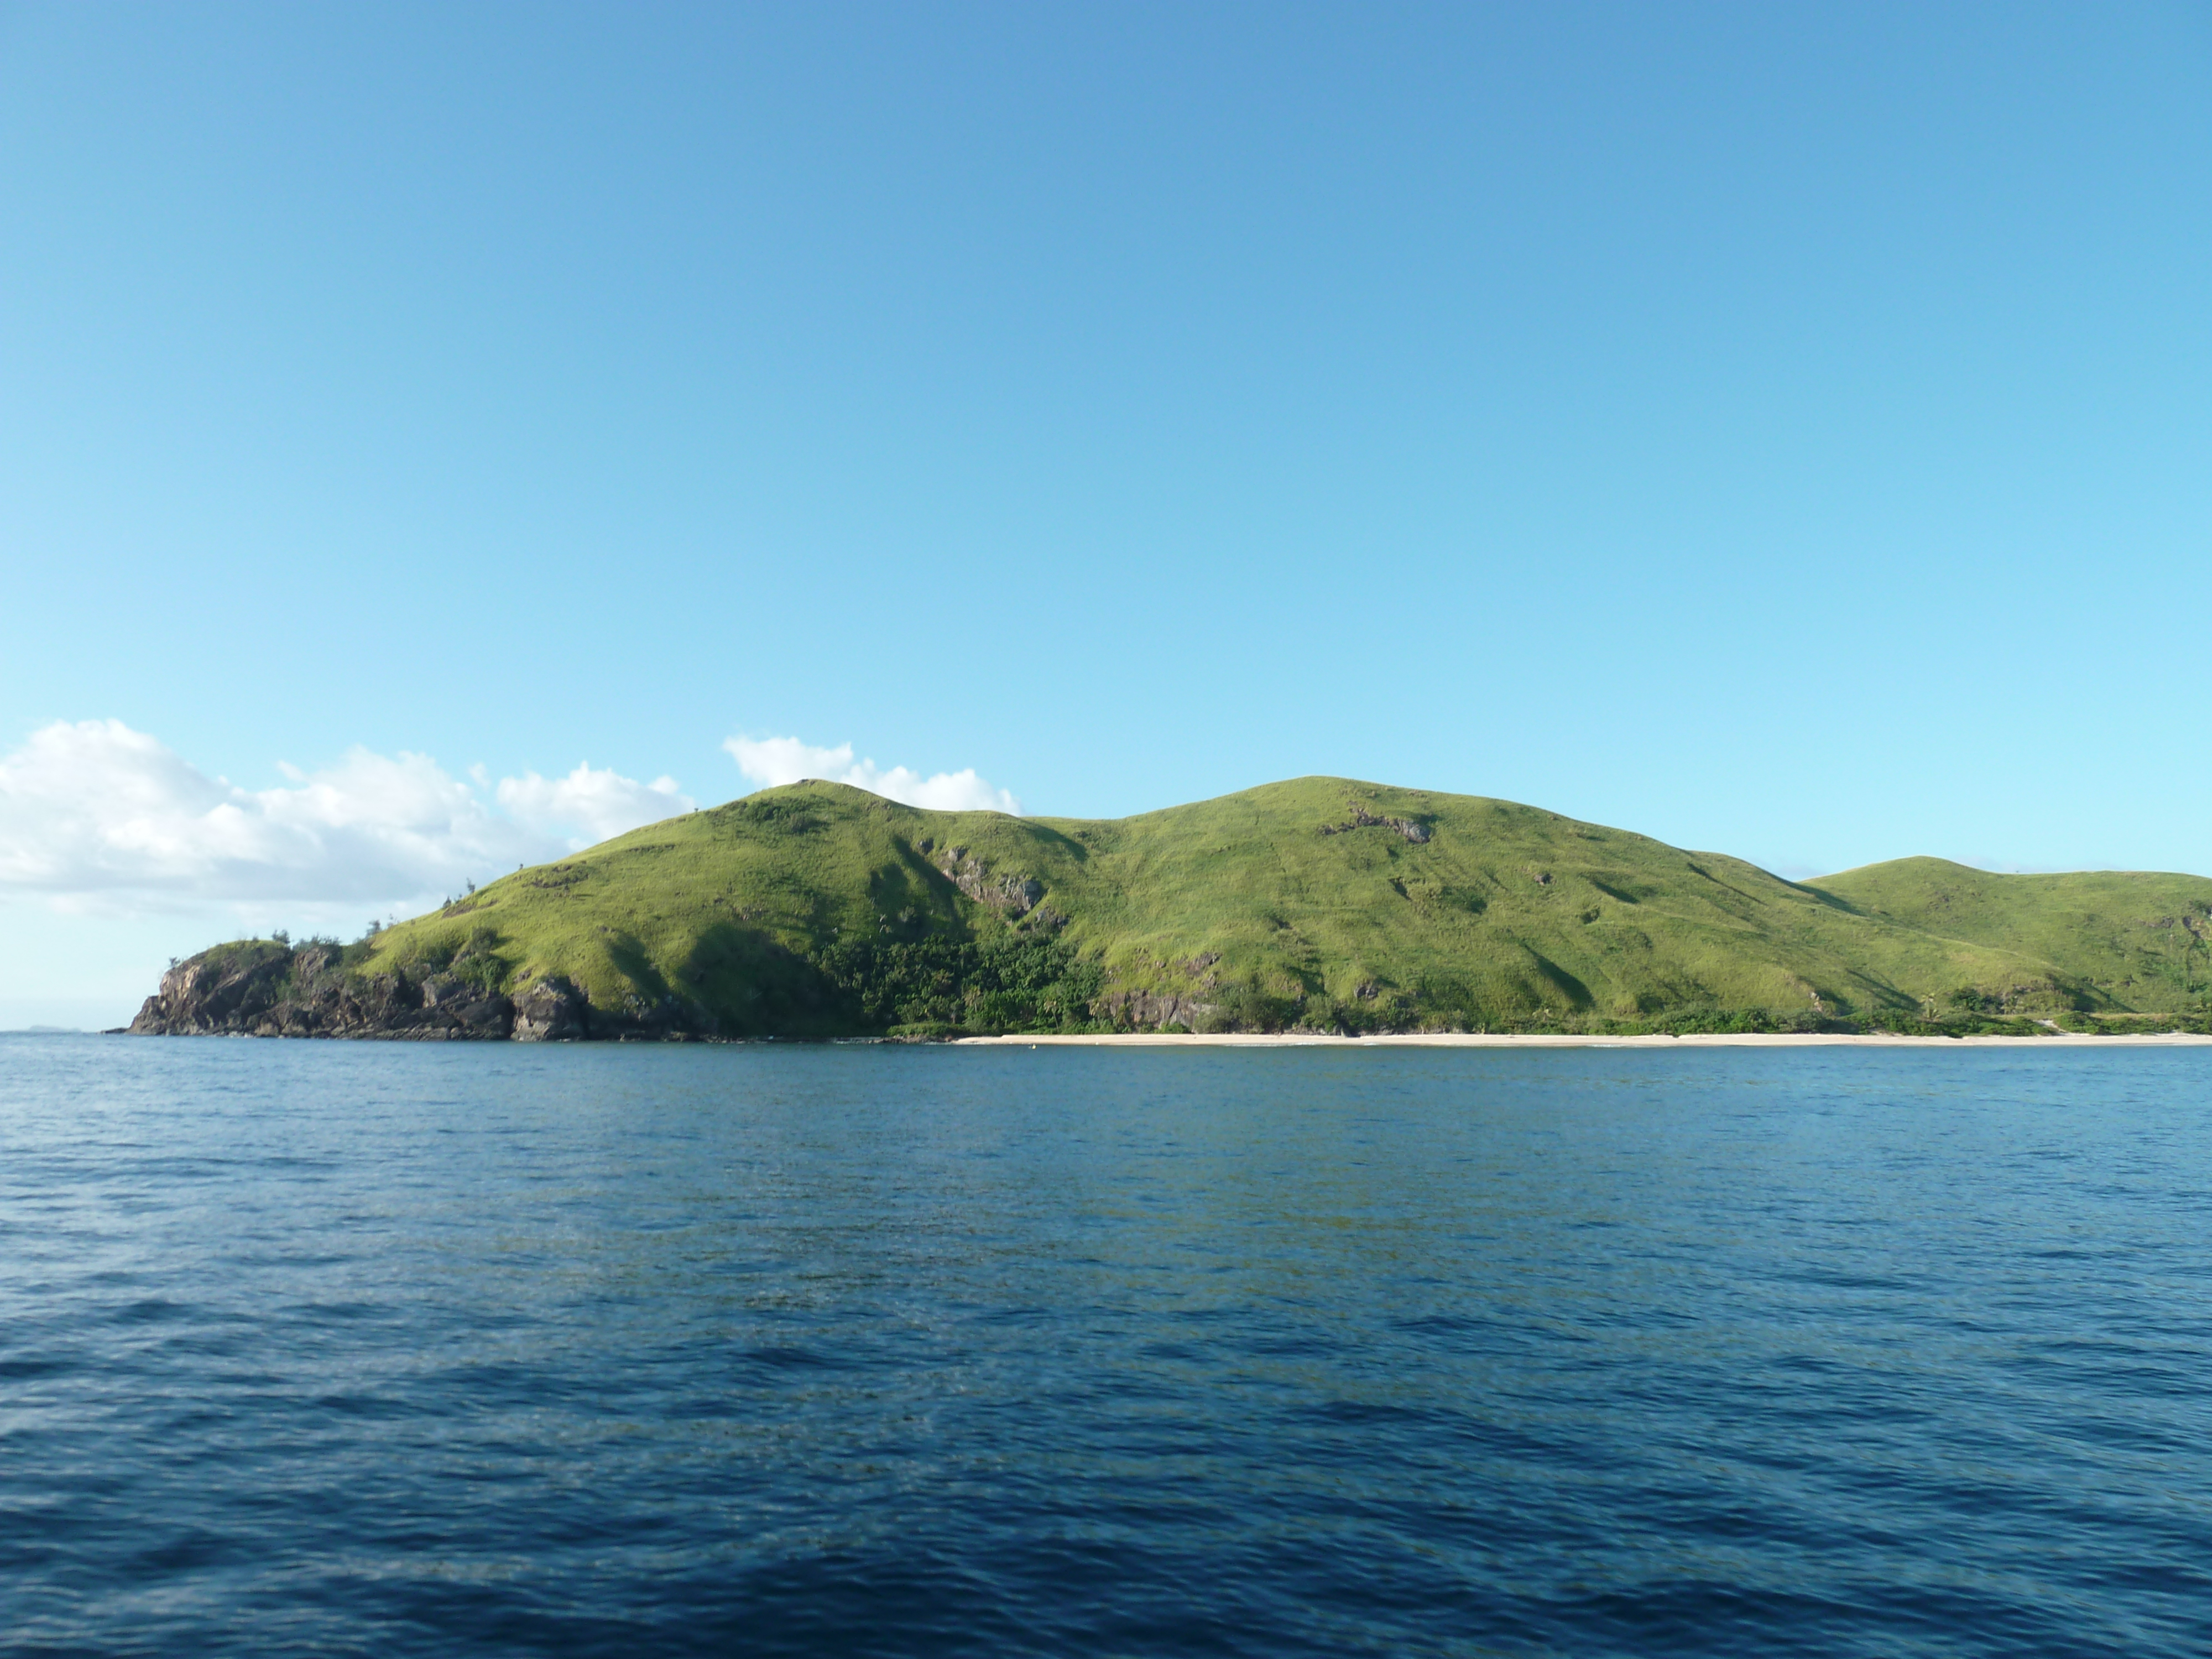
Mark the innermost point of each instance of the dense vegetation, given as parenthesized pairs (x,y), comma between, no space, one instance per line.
(818,910)
(941,983)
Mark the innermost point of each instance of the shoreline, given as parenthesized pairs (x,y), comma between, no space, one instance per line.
(1504,1040)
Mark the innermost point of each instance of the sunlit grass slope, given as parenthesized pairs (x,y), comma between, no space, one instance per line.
(1318,900)
(2138,940)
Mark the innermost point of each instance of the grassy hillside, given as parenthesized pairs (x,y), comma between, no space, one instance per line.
(818,908)
(2138,941)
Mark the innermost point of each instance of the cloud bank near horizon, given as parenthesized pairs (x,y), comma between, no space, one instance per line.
(769,762)
(93,811)
(98,816)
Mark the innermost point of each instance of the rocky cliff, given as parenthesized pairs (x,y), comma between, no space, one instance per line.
(262,989)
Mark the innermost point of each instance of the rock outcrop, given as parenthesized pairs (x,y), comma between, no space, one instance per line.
(1012,895)
(1155,1011)
(263,988)
(551,1010)
(1412,828)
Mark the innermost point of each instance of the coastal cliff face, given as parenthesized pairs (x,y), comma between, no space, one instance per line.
(262,988)
(267,988)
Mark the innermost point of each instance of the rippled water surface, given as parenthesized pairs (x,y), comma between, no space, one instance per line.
(382,1349)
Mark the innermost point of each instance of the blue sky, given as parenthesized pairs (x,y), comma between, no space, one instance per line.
(1776,429)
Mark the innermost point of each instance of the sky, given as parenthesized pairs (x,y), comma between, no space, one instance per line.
(434,437)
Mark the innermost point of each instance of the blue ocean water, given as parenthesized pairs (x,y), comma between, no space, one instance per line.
(336,1348)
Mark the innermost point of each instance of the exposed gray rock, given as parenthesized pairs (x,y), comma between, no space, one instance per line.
(262,988)
(1149,1010)
(1013,895)
(266,989)
(467,1009)
(1412,828)
(212,992)
(551,1010)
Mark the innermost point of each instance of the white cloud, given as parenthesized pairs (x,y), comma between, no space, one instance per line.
(603,804)
(95,813)
(768,762)
(99,820)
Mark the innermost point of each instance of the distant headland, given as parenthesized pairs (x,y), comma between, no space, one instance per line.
(1320,906)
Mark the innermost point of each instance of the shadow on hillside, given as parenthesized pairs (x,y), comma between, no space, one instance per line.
(753,986)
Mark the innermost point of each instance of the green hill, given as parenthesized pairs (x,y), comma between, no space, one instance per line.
(2135,941)
(819,910)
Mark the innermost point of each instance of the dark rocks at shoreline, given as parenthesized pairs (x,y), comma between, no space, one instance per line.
(266,989)
(551,1010)
(1156,1011)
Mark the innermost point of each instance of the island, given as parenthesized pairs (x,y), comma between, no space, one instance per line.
(1320,905)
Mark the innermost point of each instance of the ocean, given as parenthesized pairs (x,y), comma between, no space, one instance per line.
(361,1348)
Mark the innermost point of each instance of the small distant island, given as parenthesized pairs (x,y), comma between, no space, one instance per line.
(1318,905)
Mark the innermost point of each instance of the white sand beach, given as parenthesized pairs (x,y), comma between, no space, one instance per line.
(1488,1040)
